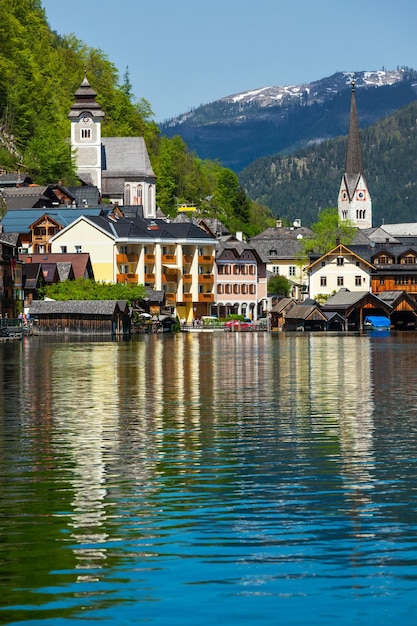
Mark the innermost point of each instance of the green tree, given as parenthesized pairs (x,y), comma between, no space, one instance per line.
(327,231)
(279,285)
(84,289)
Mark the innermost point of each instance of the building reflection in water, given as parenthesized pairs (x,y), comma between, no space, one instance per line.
(123,409)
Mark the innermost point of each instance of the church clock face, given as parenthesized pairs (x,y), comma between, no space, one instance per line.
(86,119)
(360,194)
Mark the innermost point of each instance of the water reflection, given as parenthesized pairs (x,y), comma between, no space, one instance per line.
(162,471)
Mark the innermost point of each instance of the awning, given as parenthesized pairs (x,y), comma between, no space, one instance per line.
(377,321)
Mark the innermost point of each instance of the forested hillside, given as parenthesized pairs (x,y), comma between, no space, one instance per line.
(298,186)
(40,71)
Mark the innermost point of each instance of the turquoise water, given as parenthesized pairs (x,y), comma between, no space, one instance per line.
(209,478)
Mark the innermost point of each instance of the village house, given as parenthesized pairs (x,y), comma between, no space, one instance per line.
(339,268)
(241,279)
(283,249)
(177,258)
(10,275)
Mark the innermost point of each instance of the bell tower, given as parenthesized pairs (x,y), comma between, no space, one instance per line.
(354,201)
(85,116)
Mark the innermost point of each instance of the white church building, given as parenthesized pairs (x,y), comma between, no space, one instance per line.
(118,166)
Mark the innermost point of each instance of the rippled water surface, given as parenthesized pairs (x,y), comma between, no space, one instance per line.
(202,479)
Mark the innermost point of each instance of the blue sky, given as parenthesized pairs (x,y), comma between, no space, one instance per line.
(183,53)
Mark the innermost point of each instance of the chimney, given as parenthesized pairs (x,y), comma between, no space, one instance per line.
(239,235)
(278,224)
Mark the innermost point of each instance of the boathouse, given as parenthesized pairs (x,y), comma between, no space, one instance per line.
(81,317)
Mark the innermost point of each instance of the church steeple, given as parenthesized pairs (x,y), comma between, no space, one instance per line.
(86,116)
(353,163)
(354,202)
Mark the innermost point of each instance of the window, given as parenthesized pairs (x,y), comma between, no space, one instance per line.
(323,281)
(252,270)
(409,259)
(340,281)
(323,263)
(291,270)
(236,269)
(252,289)
(244,288)
(63,249)
(340,260)
(86,133)
(358,281)
(220,288)
(236,288)
(123,249)
(382,281)
(78,249)
(275,269)
(401,280)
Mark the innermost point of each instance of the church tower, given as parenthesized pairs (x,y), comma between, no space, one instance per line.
(85,116)
(354,201)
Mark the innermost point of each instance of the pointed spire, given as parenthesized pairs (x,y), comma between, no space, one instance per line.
(353,163)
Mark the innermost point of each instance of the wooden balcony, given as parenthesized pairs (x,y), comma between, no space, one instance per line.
(149,258)
(206,297)
(187,297)
(127,258)
(187,278)
(169,259)
(205,279)
(170,296)
(205,259)
(130,279)
(187,259)
(169,277)
(149,278)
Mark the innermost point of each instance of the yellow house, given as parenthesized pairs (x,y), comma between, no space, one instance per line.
(177,258)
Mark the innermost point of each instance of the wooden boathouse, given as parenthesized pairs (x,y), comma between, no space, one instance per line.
(80,317)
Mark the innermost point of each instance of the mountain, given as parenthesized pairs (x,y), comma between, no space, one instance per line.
(238,129)
(297,186)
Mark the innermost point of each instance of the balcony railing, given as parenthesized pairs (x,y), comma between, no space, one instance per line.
(169,277)
(187,259)
(149,258)
(205,259)
(127,258)
(170,296)
(130,279)
(187,278)
(169,259)
(149,278)
(187,297)
(206,297)
(205,279)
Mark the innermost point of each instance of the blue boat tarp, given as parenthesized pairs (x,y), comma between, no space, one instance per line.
(377,322)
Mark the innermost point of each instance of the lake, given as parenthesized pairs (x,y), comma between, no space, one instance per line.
(209,478)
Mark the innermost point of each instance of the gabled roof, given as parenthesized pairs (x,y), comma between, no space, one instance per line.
(74,307)
(81,263)
(89,193)
(10,239)
(238,249)
(345,300)
(14,180)
(283,304)
(394,298)
(125,157)
(19,221)
(304,312)
(340,250)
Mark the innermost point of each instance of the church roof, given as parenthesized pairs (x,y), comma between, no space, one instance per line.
(353,163)
(85,100)
(124,157)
